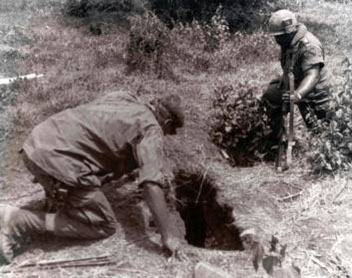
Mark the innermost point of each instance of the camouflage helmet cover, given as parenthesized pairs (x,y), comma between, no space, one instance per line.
(282,22)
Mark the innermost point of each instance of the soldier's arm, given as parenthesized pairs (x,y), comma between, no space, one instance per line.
(312,62)
(311,78)
(149,155)
(151,178)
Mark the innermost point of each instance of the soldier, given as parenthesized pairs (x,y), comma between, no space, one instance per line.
(73,153)
(302,54)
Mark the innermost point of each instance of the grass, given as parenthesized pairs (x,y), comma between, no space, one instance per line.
(79,66)
(318,213)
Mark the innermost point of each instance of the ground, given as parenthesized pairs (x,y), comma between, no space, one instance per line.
(311,214)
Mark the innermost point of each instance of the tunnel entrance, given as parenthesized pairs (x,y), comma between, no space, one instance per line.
(208,223)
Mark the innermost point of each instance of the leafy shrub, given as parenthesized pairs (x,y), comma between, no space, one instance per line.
(212,48)
(332,149)
(148,41)
(239,124)
(86,8)
(238,13)
(202,47)
(217,31)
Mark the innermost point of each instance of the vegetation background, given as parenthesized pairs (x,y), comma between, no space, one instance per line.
(218,57)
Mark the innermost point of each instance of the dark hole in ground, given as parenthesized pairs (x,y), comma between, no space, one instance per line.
(208,223)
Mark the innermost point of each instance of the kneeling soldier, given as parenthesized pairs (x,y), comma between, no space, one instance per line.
(303,55)
(73,153)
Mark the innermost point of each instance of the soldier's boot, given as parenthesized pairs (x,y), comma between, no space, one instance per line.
(16,225)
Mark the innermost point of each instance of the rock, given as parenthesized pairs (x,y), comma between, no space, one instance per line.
(205,270)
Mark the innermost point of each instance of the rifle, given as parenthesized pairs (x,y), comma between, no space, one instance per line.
(287,133)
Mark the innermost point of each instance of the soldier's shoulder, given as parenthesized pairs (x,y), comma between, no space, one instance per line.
(118,97)
(309,40)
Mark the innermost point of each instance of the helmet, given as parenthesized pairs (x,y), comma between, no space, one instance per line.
(282,22)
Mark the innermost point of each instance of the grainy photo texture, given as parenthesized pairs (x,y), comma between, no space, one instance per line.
(175,138)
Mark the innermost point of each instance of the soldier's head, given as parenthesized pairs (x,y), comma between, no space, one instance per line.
(283,25)
(169,113)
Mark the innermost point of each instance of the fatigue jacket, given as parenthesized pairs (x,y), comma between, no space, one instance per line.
(100,141)
(304,52)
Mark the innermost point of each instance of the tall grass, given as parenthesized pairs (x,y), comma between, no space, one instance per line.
(79,66)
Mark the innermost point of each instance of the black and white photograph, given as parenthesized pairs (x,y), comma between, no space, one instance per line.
(175,138)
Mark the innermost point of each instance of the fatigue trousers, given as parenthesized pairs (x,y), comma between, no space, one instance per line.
(311,111)
(86,213)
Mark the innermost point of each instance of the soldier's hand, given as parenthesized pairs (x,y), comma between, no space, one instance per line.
(174,247)
(286,97)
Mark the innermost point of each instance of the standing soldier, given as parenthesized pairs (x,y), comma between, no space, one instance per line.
(303,55)
(73,153)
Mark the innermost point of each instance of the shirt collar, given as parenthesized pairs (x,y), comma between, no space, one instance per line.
(301,32)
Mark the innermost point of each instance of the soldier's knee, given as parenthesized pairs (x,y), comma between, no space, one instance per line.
(109,225)
(272,96)
(109,230)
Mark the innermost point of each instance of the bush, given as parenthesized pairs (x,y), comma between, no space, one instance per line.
(148,41)
(239,124)
(211,48)
(101,8)
(238,13)
(202,47)
(217,31)
(331,151)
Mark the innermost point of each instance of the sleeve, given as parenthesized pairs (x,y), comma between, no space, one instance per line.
(312,55)
(150,157)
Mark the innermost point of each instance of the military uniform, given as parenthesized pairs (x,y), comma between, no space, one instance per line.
(304,52)
(73,153)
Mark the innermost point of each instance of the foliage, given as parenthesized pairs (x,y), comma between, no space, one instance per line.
(211,48)
(238,13)
(332,149)
(149,48)
(149,42)
(92,8)
(239,124)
